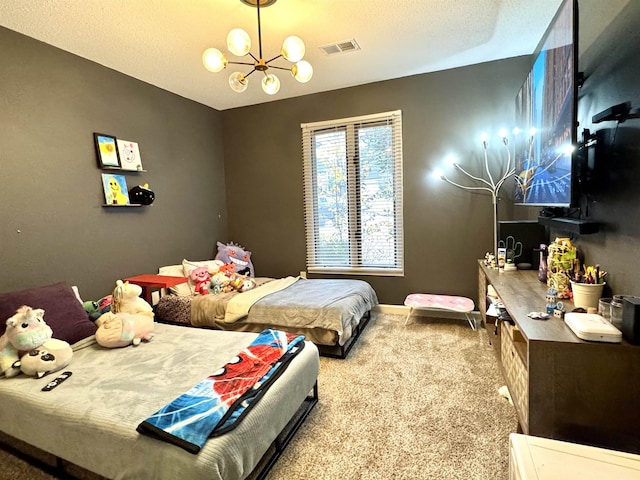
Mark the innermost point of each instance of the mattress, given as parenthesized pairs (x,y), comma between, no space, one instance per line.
(326,311)
(91,418)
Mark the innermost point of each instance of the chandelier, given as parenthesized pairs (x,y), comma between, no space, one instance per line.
(239,44)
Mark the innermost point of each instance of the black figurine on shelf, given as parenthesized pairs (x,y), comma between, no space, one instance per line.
(142,195)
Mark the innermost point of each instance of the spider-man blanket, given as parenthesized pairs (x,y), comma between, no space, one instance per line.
(215,405)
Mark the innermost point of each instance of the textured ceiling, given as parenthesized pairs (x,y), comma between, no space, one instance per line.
(161,41)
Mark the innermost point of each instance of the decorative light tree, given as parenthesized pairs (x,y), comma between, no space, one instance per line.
(491,185)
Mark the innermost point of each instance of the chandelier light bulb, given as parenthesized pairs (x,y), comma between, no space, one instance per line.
(238,82)
(516,131)
(270,84)
(214,60)
(502,132)
(238,42)
(532,131)
(302,71)
(293,49)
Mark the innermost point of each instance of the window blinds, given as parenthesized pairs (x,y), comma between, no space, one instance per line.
(353,195)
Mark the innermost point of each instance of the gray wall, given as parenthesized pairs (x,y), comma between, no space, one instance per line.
(52,224)
(612,69)
(446,229)
(51,102)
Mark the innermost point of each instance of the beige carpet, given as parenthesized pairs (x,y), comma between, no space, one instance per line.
(415,402)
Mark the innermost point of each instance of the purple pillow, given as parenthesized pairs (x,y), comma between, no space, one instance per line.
(62,310)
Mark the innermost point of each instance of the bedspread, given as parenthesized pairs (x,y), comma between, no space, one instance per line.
(91,418)
(327,304)
(326,311)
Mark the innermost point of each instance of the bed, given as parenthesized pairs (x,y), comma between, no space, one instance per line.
(90,420)
(329,312)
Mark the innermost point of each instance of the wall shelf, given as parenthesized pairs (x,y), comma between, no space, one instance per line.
(570,225)
(119,169)
(121,206)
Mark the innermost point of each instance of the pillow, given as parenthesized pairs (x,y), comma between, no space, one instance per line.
(187,265)
(62,311)
(176,271)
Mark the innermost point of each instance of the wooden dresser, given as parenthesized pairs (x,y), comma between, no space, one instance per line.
(562,387)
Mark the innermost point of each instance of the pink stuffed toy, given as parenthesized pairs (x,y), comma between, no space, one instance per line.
(202,279)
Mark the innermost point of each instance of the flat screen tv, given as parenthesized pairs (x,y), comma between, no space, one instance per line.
(546,115)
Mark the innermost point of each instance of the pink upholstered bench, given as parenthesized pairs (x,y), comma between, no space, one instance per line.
(447,303)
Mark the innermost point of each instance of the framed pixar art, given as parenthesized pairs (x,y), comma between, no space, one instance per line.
(115,189)
(129,155)
(107,151)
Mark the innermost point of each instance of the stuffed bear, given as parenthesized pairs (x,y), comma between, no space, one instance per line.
(26,330)
(202,279)
(123,329)
(126,299)
(51,356)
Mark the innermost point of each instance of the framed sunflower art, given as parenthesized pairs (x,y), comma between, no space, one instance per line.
(107,150)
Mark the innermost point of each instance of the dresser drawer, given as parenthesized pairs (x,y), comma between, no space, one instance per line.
(517,376)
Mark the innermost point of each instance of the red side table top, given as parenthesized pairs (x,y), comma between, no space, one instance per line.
(158,281)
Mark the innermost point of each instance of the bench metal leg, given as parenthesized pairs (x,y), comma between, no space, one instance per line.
(471,319)
(406,321)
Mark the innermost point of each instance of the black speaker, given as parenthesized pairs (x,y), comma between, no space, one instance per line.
(631,319)
(527,232)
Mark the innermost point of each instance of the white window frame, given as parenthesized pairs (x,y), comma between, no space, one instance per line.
(354,264)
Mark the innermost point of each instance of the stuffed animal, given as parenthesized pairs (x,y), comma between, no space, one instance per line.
(202,279)
(126,299)
(51,356)
(26,330)
(218,283)
(96,309)
(130,320)
(237,256)
(225,282)
(123,329)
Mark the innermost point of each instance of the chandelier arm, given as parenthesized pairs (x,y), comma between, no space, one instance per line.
(241,63)
(250,73)
(280,68)
(274,58)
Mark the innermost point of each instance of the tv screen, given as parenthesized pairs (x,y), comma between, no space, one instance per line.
(546,116)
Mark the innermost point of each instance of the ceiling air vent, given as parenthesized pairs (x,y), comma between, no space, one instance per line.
(340,47)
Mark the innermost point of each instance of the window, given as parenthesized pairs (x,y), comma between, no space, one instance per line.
(353,195)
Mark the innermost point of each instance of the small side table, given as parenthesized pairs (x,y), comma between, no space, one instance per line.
(150,282)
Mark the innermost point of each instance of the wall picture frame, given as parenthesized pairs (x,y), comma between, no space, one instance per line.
(129,154)
(106,150)
(115,189)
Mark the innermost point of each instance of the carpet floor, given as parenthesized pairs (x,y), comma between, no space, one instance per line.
(410,402)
